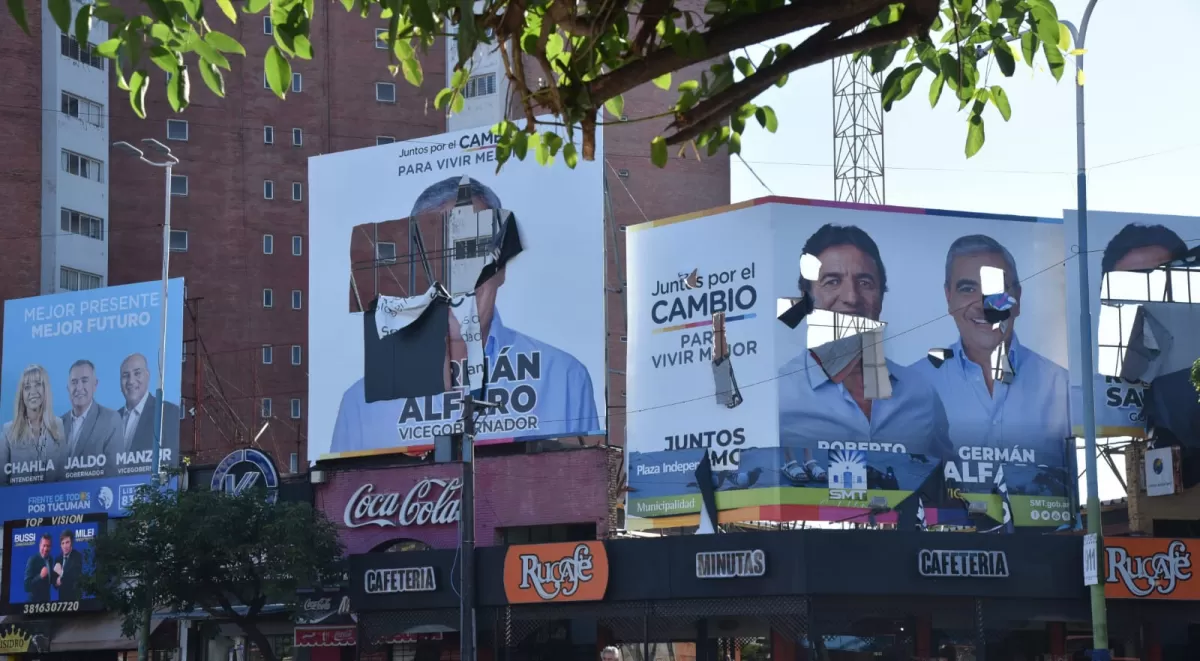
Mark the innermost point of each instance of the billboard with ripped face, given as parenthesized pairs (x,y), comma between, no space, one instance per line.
(849,364)
(432,275)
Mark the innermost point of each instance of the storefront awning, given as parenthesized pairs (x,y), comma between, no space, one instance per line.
(91,633)
(325,637)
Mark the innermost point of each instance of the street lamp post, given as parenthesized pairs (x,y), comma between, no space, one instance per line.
(170,162)
(1087,369)
(159,423)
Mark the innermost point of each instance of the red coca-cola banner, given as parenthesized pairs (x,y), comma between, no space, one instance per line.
(325,637)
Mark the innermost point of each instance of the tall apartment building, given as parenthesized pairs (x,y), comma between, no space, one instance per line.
(240,220)
(55,142)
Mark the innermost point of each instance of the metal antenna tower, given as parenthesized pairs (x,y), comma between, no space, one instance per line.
(857,132)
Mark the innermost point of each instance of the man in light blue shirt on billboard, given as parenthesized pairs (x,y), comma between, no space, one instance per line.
(1030,411)
(816,408)
(565,400)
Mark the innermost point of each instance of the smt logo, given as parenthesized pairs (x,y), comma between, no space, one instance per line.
(847,475)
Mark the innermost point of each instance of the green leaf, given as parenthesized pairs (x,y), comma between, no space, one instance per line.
(745,66)
(109,48)
(165,59)
(138,83)
(615,106)
(303,47)
(658,151)
(212,77)
(975,135)
(224,43)
(1054,58)
(766,118)
(1029,45)
(122,82)
(17,9)
(206,51)
(908,78)
(255,6)
(442,100)
(179,89)
(994,10)
(891,87)
(1046,23)
(935,90)
(570,155)
(520,144)
(458,79)
(413,72)
(1064,37)
(1004,57)
(108,14)
(541,150)
(279,71)
(422,16)
(227,9)
(663,82)
(60,11)
(83,23)
(1000,98)
(456,103)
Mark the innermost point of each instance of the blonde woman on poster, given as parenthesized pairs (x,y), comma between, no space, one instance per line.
(34,441)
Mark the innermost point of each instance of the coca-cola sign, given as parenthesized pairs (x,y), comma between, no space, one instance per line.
(430,502)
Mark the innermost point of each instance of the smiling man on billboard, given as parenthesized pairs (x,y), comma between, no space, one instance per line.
(1031,409)
(565,400)
(816,407)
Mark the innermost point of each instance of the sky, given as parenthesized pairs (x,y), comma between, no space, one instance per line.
(1140,146)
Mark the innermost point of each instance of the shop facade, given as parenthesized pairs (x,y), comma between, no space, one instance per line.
(1153,597)
(799,595)
(399,526)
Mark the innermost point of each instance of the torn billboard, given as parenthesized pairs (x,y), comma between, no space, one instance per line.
(431,275)
(1126,254)
(900,363)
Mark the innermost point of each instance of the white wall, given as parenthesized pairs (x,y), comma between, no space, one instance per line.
(60,131)
(480,110)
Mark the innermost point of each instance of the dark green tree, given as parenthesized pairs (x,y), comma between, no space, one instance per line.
(571,58)
(229,556)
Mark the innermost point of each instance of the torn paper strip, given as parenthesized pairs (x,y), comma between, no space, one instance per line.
(393,313)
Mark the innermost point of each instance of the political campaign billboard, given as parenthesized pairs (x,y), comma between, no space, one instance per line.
(1123,249)
(45,560)
(78,398)
(903,394)
(412,239)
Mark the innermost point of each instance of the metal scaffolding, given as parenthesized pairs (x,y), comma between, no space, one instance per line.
(857,132)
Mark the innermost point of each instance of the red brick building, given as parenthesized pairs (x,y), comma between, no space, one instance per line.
(238,243)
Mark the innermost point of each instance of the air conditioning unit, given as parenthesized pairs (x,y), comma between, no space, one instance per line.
(317,477)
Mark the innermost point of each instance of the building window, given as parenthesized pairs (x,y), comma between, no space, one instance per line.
(268,244)
(79,107)
(297,137)
(385,92)
(177,129)
(74,280)
(179,240)
(381,38)
(268,189)
(82,166)
(266,413)
(74,222)
(384,140)
(85,53)
(268,28)
(480,86)
(268,298)
(295,409)
(297,299)
(385,253)
(268,135)
(297,191)
(297,354)
(297,245)
(568,532)
(297,83)
(268,354)
(179,185)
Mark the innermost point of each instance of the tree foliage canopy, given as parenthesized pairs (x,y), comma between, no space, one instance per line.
(573,58)
(229,556)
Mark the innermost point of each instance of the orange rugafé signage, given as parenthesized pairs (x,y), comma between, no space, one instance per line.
(546,573)
(1150,568)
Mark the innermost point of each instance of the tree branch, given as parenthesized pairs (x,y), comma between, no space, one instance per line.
(728,37)
(918,16)
(577,25)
